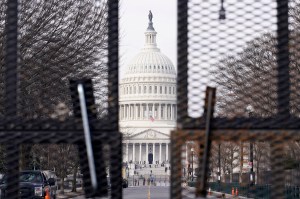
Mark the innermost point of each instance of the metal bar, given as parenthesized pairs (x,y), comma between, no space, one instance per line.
(113,96)
(182,60)
(208,113)
(12,164)
(115,166)
(283,61)
(87,136)
(113,63)
(11,59)
(10,103)
(176,145)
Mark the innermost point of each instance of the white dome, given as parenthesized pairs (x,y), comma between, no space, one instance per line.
(148,90)
(151,61)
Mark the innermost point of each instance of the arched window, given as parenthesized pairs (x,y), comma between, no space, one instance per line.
(155,89)
(174,90)
(165,90)
(160,90)
(154,67)
(134,91)
(169,90)
(126,90)
(140,89)
(145,89)
(130,90)
(150,89)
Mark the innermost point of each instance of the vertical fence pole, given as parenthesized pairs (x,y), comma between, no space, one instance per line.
(10,103)
(182,59)
(283,97)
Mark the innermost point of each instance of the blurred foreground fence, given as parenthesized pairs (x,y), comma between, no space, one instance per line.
(244,56)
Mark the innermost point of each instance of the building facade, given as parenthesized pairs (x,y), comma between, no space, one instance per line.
(148,104)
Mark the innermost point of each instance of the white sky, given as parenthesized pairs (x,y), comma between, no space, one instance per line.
(134,22)
(209,39)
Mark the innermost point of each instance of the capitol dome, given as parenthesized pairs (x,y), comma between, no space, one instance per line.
(147,102)
(151,61)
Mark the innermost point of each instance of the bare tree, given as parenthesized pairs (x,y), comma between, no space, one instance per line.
(58,40)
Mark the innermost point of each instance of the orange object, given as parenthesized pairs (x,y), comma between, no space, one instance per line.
(47,194)
(237,192)
(232,191)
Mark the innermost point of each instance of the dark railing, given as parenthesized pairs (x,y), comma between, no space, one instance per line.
(257,191)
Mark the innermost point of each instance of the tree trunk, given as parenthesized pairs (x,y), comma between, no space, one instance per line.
(74,179)
(241,162)
(25,159)
(62,186)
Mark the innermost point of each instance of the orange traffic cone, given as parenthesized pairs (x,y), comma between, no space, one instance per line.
(237,192)
(232,191)
(47,194)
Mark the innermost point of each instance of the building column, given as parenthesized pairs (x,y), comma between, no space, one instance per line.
(137,111)
(159,111)
(171,110)
(159,153)
(154,153)
(147,111)
(133,152)
(140,154)
(167,151)
(127,152)
(147,153)
(166,111)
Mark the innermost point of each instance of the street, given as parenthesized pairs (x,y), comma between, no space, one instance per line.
(142,192)
(156,192)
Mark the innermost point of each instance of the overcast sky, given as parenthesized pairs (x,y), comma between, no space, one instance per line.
(210,39)
(134,22)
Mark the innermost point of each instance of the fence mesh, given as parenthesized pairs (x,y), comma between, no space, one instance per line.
(247,50)
(48,48)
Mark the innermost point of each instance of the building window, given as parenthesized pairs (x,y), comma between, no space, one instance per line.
(160,89)
(150,89)
(134,91)
(174,90)
(130,90)
(165,90)
(126,90)
(162,111)
(140,89)
(145,89)
(155,89)
(169,90)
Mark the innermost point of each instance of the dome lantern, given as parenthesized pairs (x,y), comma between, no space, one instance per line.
(150,34)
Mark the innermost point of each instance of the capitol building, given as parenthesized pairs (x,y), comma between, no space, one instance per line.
(147,104)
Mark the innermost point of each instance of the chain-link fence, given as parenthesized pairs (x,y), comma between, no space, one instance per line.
(245,141)
(59,88)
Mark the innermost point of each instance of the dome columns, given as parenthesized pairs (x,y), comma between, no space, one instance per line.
(148,111)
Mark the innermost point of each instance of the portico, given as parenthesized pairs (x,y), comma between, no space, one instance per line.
(146,152)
